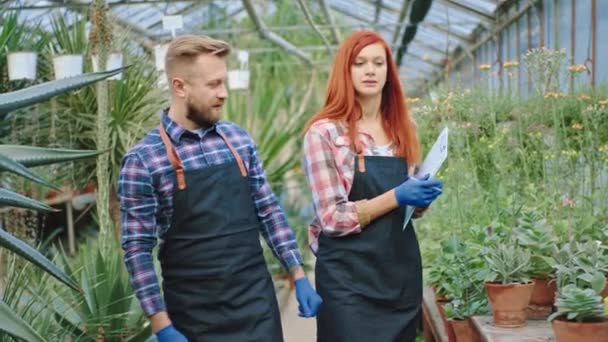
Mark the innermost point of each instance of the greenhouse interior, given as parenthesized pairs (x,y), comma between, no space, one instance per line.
(411,170)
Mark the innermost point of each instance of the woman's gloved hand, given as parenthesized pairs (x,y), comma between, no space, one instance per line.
(418,192)
(308,299)
(170,334)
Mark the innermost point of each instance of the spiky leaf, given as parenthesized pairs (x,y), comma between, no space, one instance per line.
(7,164)
(15,326)
(44,91)
(30,156)
(14,199)
(32,255)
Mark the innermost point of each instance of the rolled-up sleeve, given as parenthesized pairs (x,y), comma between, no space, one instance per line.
(337,215)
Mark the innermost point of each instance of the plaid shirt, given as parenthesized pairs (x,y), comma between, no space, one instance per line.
(329,165)
(146,185)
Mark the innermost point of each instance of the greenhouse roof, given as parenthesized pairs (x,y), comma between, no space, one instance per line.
(450,26)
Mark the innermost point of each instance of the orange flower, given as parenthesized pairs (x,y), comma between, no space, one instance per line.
(511,64)
(577,68)
(484,67)
(577,126)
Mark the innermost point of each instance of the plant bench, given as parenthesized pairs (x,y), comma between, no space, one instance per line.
(435,331)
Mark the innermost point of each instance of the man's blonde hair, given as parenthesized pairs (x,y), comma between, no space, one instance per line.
(183,50)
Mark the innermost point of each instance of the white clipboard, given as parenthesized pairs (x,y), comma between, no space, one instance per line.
(432,163)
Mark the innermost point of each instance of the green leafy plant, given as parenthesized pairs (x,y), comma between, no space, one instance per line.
(535,234)
(507,263)
(461,309)
(35,156)
(582,264)
(579,305)
(106,309)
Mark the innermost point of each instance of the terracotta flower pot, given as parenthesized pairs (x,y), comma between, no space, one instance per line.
(509,303)
(464,331)
(578,332)
(543,297)
(446,323)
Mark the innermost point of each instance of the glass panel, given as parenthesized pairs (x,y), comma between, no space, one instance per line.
(523,48)
(602,43)
(565,32)
(582,47)
(535,16)
(549,15)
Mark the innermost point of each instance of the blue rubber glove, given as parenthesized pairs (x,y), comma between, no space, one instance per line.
(418,192)
(308,299)
(170,334)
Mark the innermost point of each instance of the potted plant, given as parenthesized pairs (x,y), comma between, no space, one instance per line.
(581,315)
(583,264)
(459,312)
(538,237)
(22,65)
(69,43)
(459,277)
(508,285)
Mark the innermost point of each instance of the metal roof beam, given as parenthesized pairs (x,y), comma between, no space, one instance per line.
(401,25)
(271,36)
(330,19)
(487,19)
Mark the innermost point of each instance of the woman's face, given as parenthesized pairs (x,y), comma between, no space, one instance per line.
(368,72)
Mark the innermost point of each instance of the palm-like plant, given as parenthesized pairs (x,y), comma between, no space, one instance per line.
(16,159)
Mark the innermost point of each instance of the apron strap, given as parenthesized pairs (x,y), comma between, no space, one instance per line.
(176,162)
(236,155)
(360,157)
(179,167)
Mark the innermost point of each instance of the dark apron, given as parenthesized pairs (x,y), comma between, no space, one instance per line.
(215,281)
(371,283)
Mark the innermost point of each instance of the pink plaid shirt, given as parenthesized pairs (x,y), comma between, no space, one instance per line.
(329,165)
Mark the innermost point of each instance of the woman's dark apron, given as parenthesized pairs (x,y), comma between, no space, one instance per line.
(371,283)
(215,281)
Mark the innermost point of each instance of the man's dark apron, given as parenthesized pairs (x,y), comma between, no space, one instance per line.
(215,281)
(371,283)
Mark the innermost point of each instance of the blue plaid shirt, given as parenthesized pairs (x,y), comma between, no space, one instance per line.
(146,186)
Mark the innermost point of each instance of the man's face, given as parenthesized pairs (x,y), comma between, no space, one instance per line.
(204,90)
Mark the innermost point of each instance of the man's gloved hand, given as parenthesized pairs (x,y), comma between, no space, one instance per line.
(308,299)
(170,334)
(418,192)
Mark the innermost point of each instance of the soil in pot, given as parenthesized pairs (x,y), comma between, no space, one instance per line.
(509,303)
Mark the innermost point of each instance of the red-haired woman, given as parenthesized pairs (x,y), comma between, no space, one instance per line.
(357,150)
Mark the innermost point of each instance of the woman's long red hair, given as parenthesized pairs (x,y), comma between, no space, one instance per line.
(341,103)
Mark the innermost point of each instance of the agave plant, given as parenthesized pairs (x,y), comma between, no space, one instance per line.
(16,160)
(106,309)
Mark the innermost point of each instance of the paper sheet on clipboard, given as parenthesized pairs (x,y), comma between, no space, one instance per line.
(433,161)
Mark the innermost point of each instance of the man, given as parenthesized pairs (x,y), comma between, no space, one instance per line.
(197,184)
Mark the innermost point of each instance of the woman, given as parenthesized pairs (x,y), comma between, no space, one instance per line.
(357,150)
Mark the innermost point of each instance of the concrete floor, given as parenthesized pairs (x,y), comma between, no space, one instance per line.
(296,328)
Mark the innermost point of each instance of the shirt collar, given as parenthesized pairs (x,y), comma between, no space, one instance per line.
(176,132)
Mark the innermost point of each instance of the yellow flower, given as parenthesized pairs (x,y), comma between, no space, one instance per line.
(484,67)
(577,126)
(576,68)
(603,102)
(511,64)
(584,97)
(554,95)
(413,100)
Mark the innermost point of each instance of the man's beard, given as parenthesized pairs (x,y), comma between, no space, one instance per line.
(202,119)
